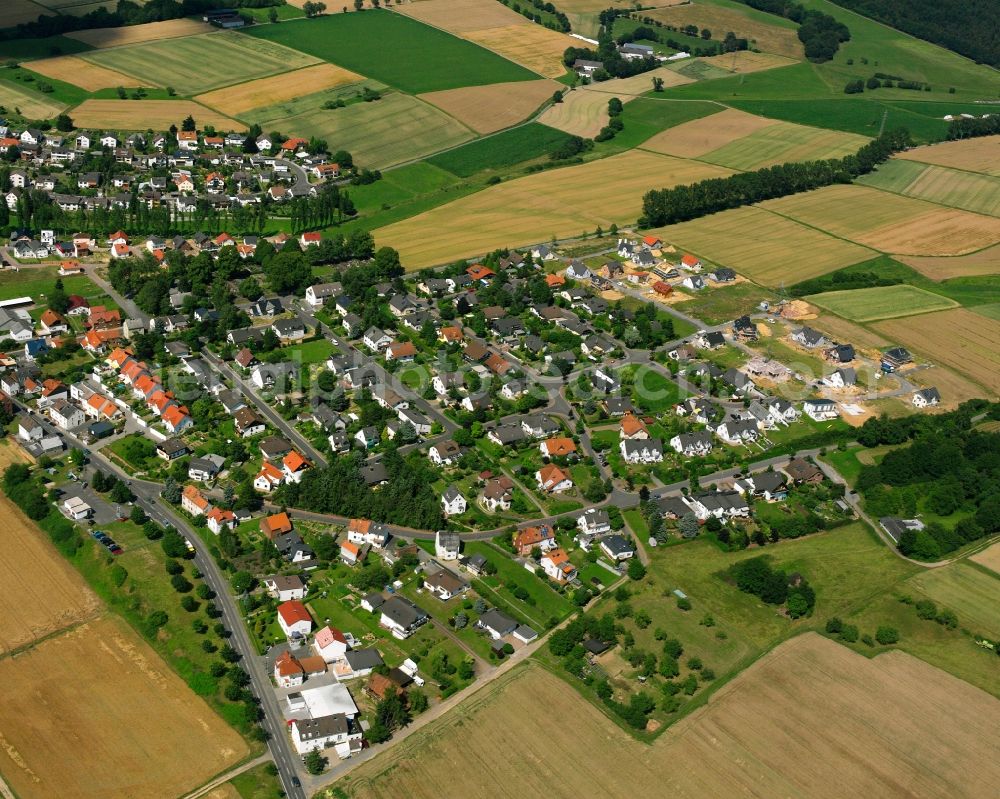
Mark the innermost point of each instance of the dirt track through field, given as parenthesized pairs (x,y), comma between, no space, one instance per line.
(810,719)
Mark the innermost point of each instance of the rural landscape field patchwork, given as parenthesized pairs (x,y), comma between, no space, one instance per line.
(453,398)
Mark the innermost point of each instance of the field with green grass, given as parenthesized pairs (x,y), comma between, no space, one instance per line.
(396,50)
(234,58)
(967,190)
(784,143)
(38,282)
(396,128)
(507,149)
(968,589)
(311,352)
(881,302)
(25,49)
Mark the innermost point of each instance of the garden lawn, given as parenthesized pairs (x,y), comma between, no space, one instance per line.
(543,602)
(310,352)
(395,49)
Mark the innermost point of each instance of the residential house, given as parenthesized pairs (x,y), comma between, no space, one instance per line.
(641,450)
(497,624)
(557,567)
(452,502)
(617,548)
(294,619)
(285,588)
(926,397)
(193,502)
(444,584)
(401,617)
(447,545)
(553,480)
(820,410)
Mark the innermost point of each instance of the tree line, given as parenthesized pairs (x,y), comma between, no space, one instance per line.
(970,128)
(756,576)
(678,204)
(821,35)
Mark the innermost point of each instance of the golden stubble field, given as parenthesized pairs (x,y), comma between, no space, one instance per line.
(974,155)
(766,247)
(142,114)
(700,136)
(560,202)
(487,109)
(581,113)
(95,713)
(809,719)
(984,262)
(960,339)
(236,100)
(498,28)
(41,593)
(889,222)
(134,34)
(83,74)
(88,710)
(989,557)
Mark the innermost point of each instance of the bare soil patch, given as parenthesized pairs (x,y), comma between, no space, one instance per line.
(132,34)
(84,74)
(701,136)
(236,100)
(487,109)
(95,713)
(875,728)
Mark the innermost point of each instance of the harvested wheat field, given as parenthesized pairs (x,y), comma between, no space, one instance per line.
(745,61)
(31,567)
(133,34)
(875,727)
(639,84)
(276,89)
(560,202)
(989,557)
(777,38)
(973,155)
(984,262)
(889,222)
(32,105)
(765,247)
(487,109)
(14,12)
(700,136)
(128,114)
(84,74)
(532,46)
(95,713)
(581,113)
(958,338)
(459,16)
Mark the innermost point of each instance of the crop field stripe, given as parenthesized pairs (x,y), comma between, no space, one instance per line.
(507,148)
(392,130)
(976,155)
(882,302)
(33,105)
(235,58)
(143,114)
(487,109)
(532,209)
(969,191)
(411,56)
(770,248)
(784,142)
